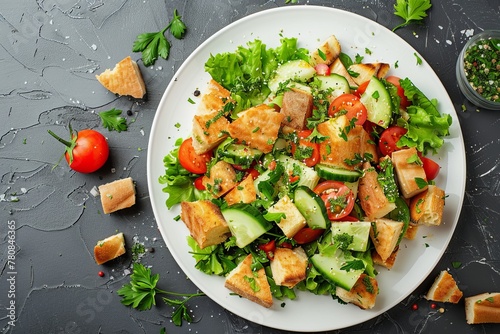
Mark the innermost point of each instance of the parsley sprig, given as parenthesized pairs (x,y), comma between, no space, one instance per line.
(411,11)
(140,294)
(155,44)
(112,120)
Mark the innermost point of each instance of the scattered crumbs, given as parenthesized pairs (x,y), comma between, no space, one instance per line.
(467,32)
(94,191)
(93,47)
(23,190)
(448,42)
(440,27)
(437,41)
(142,132)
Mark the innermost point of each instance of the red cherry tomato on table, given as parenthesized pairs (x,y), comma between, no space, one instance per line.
(389,138)
(87,151)
(308,151)
(190,160)
(431,168)
(307,235)
(352,105)
(403,100)
(338,198)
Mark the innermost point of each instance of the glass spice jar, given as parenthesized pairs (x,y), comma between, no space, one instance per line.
(478,69)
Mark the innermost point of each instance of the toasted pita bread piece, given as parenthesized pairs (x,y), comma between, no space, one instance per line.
(444,289)
(109,248)
(124,79)
(483,308)
(117,195)
(250,284)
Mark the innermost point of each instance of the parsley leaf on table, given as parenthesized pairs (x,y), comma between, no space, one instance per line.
(411,10)
(155,44)
(112,120)
(140,294)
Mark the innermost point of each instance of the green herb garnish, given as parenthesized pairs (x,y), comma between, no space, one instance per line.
(154,44)
(112,120)
(411,11)
(140,294)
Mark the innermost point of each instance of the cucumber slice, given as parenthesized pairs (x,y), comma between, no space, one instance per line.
(308,176)
(245,222)
(312,207)
(337,83)
(378,103)
(359,230)
(337,173)
(239,154)
(294,70)
(329,267)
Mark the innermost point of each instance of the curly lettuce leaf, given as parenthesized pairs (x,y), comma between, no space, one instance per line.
(426,126)
(246,71)
(178,181)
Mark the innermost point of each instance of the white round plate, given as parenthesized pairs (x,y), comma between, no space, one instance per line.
(310,25)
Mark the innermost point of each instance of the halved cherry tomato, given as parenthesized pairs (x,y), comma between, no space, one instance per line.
(322,69)
(338,198)
(350,218)
(253,172)
(86,152)
(361,88)
(198,183)
(194,163)
(269,248)
(403,100)
(293,178)
(431,168)
(308,151)
(352,105)
(307,235)
(389,138)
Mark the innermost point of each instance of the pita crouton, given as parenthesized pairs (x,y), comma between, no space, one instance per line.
(249,284)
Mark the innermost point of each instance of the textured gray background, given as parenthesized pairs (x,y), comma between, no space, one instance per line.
(49,53)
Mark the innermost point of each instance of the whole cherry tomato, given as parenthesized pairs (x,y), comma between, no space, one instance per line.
(87,151)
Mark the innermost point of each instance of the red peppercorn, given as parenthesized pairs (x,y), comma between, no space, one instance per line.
(101,273)
(414,307)
(433,306)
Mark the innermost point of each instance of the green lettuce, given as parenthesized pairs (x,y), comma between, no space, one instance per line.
(246,71)
(426,126)
(178,181)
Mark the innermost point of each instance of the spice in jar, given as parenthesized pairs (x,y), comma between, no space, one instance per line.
(482,68)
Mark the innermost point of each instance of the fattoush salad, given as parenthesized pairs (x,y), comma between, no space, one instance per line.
(304,170)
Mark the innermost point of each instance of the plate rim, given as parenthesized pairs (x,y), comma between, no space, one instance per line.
(152,179)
